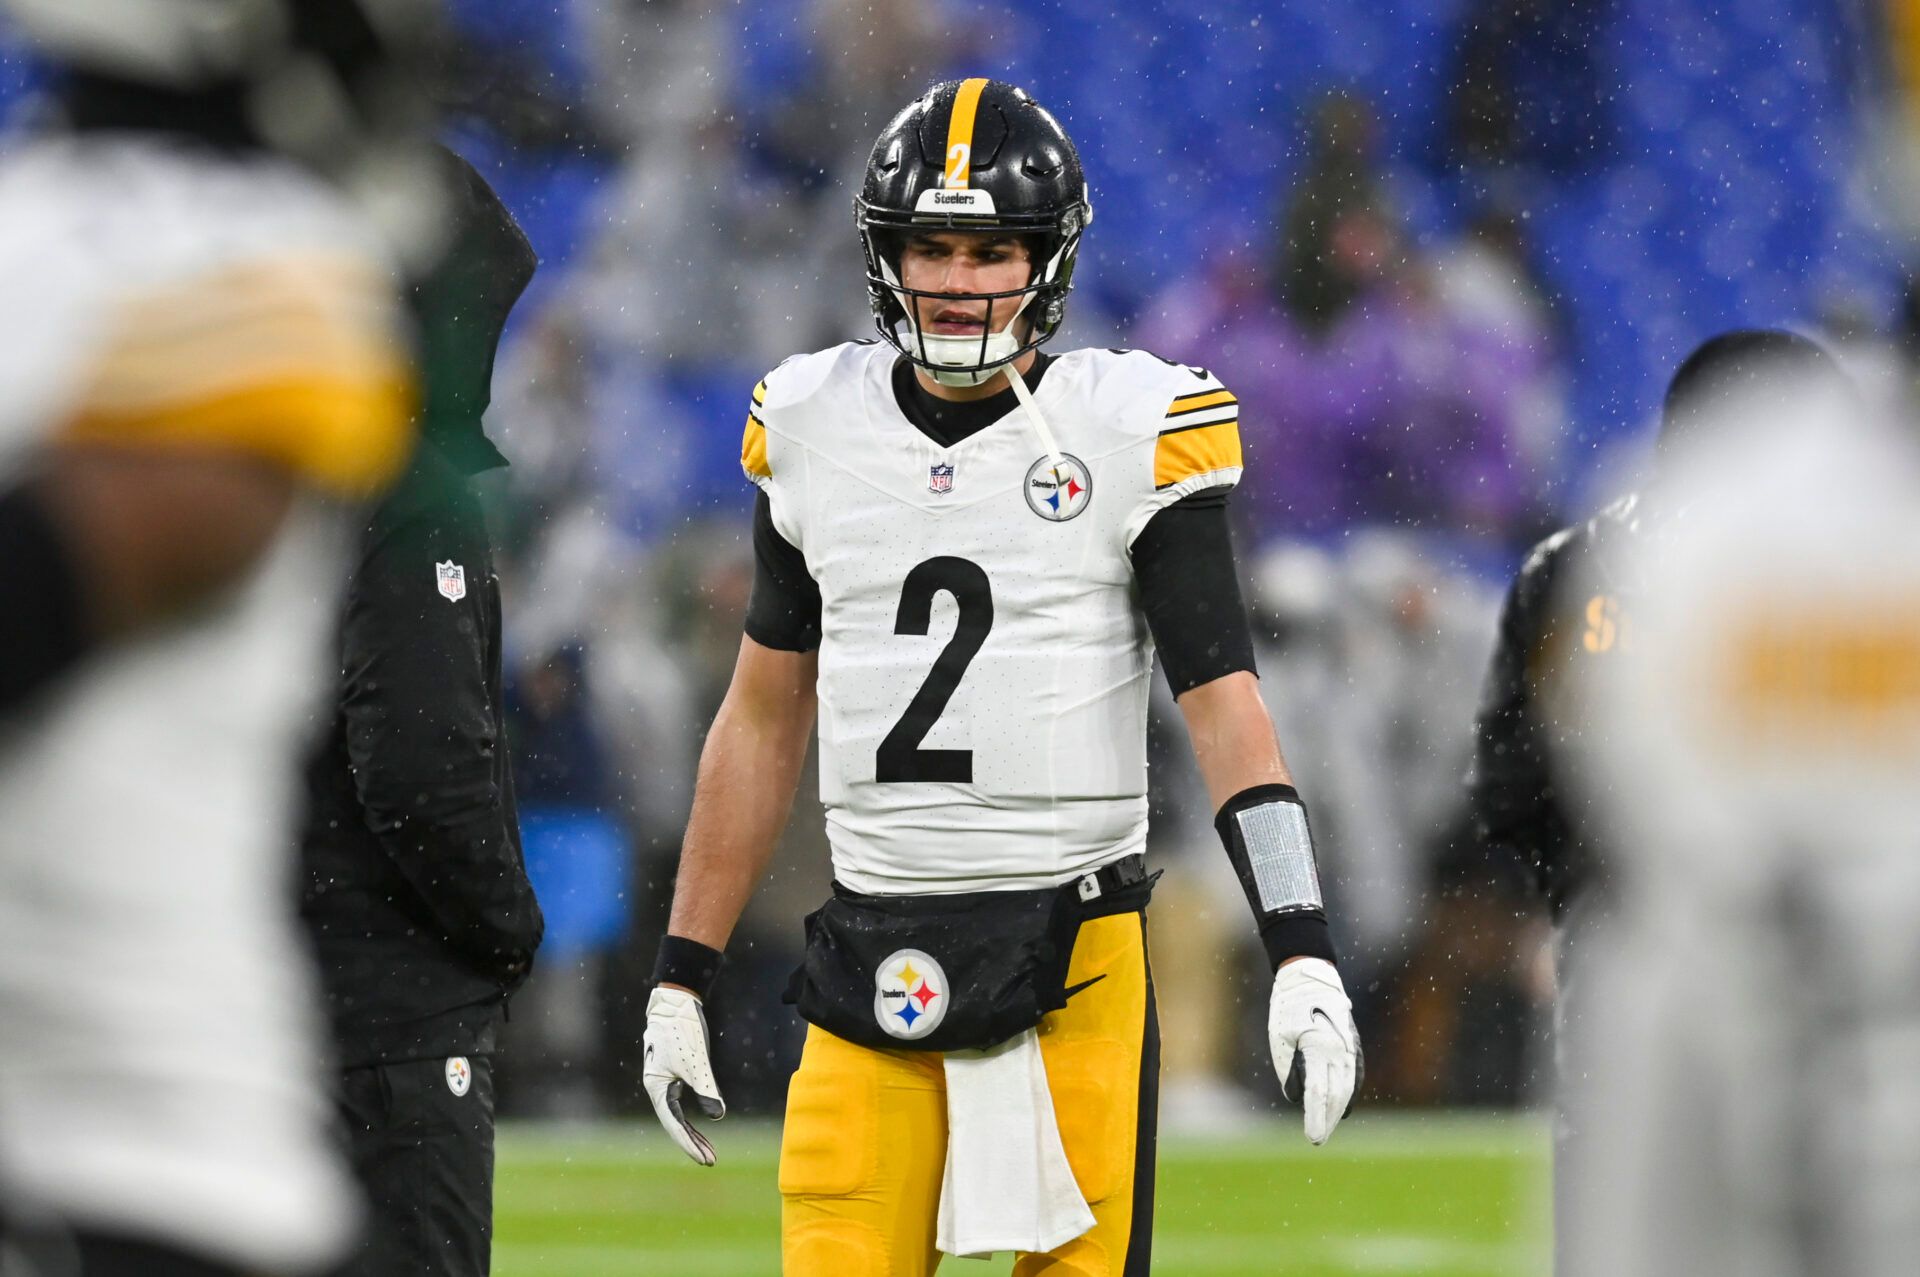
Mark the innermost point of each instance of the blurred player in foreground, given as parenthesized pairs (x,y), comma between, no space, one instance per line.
(416,895)
(1748,1099)
(1572,612)
(204,370)
(968,552)
(1553,627)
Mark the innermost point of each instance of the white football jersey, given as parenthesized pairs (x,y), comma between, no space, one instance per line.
(161,1055)
(984,661)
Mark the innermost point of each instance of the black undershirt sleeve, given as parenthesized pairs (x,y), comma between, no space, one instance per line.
(783,611)
(43,622)
(1182,559)
(1190,591)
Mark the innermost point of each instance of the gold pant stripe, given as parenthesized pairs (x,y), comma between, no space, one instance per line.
(865,1142)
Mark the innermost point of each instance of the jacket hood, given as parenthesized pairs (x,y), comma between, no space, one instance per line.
(461,307)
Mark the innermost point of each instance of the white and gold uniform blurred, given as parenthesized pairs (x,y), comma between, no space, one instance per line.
(160,1051)
(1745,1079)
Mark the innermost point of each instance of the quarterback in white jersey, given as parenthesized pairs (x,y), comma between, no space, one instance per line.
(205,371)
(967,554)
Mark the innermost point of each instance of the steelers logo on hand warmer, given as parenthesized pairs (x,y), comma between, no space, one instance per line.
(910,994)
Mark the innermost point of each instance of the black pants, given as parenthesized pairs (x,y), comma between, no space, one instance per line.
(424,1156)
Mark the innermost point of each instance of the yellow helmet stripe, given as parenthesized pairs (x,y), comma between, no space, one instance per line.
(966,103)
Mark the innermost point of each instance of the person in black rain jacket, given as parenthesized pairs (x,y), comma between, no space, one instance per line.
(415,894)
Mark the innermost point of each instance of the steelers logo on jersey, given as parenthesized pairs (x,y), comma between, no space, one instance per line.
(910,994)
(1058,495)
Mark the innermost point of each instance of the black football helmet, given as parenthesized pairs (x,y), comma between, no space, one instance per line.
(973,155)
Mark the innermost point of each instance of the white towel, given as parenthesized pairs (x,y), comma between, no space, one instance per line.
(1007,1185)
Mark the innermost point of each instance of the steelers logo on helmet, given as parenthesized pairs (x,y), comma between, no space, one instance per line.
(1057,493)
(910,993)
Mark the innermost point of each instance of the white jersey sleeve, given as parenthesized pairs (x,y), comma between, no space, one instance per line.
(770,455)
(1195,440)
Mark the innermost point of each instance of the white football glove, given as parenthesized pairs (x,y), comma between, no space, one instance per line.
(677,1064)
(1316,1049)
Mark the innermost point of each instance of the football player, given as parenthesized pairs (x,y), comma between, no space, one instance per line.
(1549,629)
(968,551)
(205,368)
(1571,613)
(1743,1083)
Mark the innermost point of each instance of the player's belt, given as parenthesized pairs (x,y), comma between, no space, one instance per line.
(959,971)
(1111,879)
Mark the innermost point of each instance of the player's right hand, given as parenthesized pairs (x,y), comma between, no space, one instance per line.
(677,1065)
(1316,1048)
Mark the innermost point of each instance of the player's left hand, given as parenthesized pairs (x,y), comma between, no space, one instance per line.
(678,1065)
(1316,1048)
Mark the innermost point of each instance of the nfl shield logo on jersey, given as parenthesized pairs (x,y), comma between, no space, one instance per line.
(910,994)
(1056,495)
(940,479)
(452,579)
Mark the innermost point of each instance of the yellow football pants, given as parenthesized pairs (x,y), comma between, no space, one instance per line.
(865,1143)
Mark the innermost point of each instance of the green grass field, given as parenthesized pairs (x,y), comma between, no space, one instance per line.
(1446,1194)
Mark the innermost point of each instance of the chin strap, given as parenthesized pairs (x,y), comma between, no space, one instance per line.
(960,377)
(1025,397)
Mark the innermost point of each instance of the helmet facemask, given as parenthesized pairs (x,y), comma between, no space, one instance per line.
(967,359)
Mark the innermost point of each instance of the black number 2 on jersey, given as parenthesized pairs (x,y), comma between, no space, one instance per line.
(900,757)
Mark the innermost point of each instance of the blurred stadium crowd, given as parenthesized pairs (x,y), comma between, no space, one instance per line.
(1445,252)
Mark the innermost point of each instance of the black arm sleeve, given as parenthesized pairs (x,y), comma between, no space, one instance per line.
(1190,591)
(784,610)
(423,730)
(1516,809)
(43,629)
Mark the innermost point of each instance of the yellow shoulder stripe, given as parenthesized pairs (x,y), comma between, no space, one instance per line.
(753,449)
(760,393)
(296,361)
(346,437)
(1181,454)
(1200,401)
